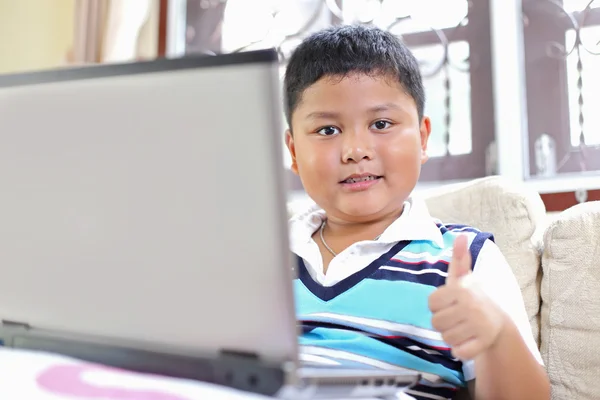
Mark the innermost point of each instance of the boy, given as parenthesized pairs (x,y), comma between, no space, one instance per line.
(381,284)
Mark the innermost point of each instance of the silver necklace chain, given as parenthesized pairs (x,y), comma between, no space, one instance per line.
(325,243)
(323,239)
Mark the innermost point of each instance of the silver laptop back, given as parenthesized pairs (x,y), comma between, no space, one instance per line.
(132,194)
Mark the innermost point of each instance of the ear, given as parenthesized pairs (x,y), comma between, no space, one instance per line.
(289,141)
(425,130)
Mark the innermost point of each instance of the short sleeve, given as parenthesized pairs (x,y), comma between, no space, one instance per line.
(496,278)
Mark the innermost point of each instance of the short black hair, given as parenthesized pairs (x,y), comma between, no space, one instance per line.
(341,50)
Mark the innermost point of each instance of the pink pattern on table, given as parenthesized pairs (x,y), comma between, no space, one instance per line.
(67,380)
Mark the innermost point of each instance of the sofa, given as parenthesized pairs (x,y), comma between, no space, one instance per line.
(556,260)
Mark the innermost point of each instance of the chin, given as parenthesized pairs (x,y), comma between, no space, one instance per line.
(362,210)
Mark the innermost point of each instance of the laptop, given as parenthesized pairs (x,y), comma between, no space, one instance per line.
(143,224)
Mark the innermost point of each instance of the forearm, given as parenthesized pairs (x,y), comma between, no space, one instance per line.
(508,370)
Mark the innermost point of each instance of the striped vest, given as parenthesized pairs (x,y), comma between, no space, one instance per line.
(379,317)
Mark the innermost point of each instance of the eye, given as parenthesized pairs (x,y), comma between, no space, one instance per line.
(381,125)
(328,131)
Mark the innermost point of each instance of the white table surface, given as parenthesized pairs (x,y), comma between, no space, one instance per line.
(42,376)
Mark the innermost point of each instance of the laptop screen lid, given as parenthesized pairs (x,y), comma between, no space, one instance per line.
(146,202)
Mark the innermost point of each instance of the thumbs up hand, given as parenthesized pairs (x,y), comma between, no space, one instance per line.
(470,323)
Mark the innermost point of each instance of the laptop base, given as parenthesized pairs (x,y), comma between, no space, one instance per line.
(244,372)
(240,371)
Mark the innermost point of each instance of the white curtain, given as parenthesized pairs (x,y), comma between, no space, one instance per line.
(108,31)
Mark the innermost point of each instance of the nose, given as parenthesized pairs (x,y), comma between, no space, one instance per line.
(357,146)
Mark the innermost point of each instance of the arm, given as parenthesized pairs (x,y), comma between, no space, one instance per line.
(512,367)
(483,319)
(508,370)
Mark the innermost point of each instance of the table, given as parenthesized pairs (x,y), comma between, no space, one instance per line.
(43,376)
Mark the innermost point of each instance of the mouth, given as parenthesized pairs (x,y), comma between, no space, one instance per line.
(361,178)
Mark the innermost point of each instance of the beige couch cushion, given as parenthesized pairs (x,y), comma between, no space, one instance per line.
(512,214)
(571,303)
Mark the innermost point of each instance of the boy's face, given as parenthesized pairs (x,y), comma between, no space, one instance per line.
(358,145)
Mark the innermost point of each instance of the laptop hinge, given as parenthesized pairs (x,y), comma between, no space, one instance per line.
(245,355)
(11,329)
(15,324)
(248,372)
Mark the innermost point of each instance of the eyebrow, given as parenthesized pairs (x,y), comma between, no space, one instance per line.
(372,110)
(323,115)
(384,107)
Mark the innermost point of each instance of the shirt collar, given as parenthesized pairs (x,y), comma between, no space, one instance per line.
(415,223)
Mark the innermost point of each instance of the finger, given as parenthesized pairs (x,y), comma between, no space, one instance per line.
(468,350)
(458,335)
(448,318)
(460,265)
(443,297)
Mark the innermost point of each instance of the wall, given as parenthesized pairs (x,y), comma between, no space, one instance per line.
(35,34)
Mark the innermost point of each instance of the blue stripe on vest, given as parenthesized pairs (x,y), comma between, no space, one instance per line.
(360,302)
(310,322)
(308,325)
(410,346)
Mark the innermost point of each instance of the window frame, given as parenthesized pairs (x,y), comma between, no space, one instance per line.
(477,33)
(548,105)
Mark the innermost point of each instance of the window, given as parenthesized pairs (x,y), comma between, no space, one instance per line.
(562,59)
(452,46)
(459,111)
(589,90)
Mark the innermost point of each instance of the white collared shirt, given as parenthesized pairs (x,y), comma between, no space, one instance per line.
(491,271)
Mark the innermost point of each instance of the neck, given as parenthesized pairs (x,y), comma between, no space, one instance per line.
(345,232)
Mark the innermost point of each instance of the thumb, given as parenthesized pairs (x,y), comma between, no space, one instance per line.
(460,266)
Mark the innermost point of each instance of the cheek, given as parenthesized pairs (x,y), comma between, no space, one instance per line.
(314,161)
(402,156)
